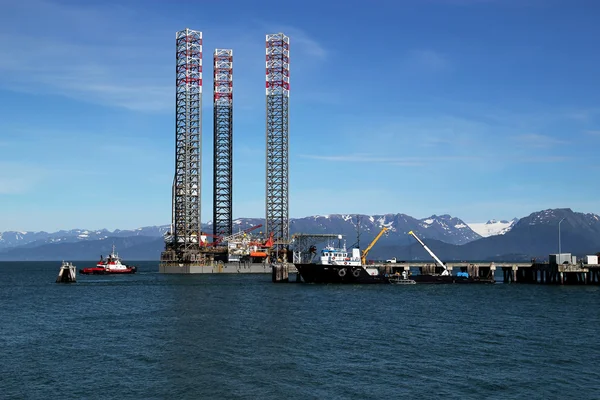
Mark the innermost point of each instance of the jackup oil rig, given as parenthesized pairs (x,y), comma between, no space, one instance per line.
(187,248)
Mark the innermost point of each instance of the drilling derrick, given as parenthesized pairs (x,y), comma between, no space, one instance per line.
(182,245)
(278,92)
(223,142)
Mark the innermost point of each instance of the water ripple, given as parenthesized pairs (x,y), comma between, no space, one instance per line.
(156,336)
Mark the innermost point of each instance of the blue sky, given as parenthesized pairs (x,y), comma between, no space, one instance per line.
(477,108)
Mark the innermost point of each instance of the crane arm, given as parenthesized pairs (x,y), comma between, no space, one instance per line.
(239,234)
(431,253)
(363,257)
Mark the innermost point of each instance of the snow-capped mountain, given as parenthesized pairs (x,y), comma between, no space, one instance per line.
(493,227)
(31,239)
(444,228)
(532,236)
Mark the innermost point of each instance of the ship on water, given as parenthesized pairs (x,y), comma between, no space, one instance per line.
(338,265)
(110,265)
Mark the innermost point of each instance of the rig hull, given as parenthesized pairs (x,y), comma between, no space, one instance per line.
(217,268)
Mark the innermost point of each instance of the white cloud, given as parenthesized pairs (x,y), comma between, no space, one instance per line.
(537,140)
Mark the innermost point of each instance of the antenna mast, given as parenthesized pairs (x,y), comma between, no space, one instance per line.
(358,231)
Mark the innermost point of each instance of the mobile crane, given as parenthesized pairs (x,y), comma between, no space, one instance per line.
(363,257)
(432,254)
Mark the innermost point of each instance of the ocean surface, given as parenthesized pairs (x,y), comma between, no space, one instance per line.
(153,336)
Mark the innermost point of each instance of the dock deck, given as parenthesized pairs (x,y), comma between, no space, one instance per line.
(545,273)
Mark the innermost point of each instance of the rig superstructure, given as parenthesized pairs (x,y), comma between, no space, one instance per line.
(187,248)
(223,142)
(183,242)
(278,94)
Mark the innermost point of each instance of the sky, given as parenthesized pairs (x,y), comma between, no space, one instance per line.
(479,109)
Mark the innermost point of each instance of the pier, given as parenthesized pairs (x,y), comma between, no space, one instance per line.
(533,272)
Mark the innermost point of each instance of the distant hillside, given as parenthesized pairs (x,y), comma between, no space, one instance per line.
(11,239)
(89,243)
(533,236)
(130,248)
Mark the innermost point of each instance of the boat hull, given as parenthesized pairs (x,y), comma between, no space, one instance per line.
(449,279)
(318,273)
(106,271)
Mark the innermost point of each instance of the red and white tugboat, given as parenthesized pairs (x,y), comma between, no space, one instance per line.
(111,265)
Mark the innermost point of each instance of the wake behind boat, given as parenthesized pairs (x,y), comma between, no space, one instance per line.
(110,265)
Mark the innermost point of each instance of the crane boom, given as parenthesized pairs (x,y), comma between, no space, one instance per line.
(239,234)
(363,257)
(431,253)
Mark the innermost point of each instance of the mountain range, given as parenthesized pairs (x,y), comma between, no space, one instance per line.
(444,228)
(451,238)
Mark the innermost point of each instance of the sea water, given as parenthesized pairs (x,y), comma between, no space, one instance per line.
(153,336)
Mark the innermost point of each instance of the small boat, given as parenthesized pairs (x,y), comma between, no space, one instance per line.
(110,265)
(401,279)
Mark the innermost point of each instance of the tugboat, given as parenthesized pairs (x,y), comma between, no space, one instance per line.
(110,265)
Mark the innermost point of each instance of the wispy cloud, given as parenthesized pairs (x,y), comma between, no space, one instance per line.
(420,161)
(89,73)
(124,66)
(367,158)
(19,178)
(537,140)
(583,114)
(464,2)
(300,40)
(428,59)
(311,46)
(110,69)
(592,132)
